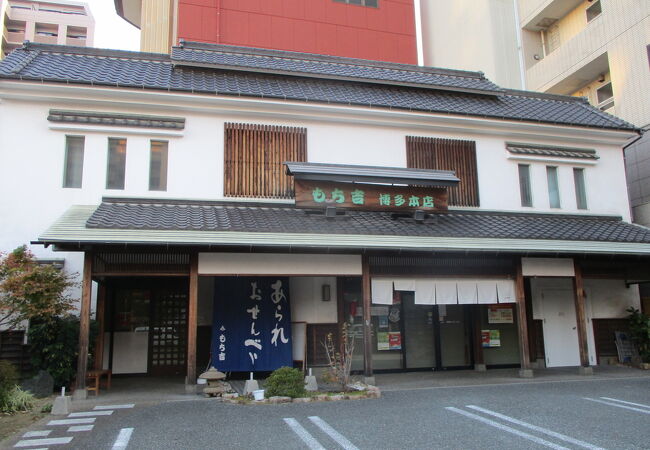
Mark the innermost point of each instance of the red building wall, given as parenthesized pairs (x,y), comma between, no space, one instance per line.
(386,33)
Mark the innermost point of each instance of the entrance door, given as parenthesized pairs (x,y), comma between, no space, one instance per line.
(169,331)
(419,338)
(560,329)
(455,336)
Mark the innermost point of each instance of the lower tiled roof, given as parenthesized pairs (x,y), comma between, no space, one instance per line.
(85,66)
(283,218)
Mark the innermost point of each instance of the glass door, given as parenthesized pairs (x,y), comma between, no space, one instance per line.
(455,336)
(419,340)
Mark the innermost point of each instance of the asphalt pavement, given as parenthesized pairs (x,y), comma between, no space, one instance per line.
(588,413)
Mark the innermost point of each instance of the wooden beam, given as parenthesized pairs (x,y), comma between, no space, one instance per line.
(367,332)
(581,322)
(192,318)
(522,324)
(100,317)
(84,323)
(479,359)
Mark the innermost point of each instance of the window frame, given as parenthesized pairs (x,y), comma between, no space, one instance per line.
(580,187)
(552,174)
(164,166)
(525,188)
(608,102)
(122,168)
(596,5)
(66,166)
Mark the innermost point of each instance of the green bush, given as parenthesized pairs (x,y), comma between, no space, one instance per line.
(286,382)
(8,380)
(640,331)
(18,400)
(55,347)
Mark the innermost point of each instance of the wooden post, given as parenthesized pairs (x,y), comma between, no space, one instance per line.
(581,322)
(84,325)
(522,325)
(100,317)
(192,319)
(367,332)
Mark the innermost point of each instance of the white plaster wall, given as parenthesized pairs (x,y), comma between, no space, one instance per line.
(32,158)
(306,300)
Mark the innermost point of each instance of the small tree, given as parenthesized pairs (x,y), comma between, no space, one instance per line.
(31,291)
(340,361)
(640,330)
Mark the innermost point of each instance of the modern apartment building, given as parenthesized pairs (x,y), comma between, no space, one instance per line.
(598,49)
(46,22)
(381,30)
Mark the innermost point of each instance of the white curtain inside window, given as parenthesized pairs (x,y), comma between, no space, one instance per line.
(506,291)
(487,291)
(404,284)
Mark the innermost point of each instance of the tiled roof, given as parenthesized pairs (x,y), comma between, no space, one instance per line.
(273,61)
(283,218)
(76,65)
(547,150)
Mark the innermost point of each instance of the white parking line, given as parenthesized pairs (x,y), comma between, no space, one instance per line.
(81,421)
(536,428)
(41,442)
(101,407)
(91,413)
(77,428)
(123,439)
(303,434)
(331,432)
(42,433)
(644,411)
(505,428)
(627,403)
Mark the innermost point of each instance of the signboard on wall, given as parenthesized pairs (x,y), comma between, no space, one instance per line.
(251,329)
(500,314)
(490,338)
(371,197)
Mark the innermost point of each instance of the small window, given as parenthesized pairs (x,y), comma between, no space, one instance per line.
(524,185)
(158,166)
(553,187)
(605,96)
(116,163)
(74,161)
(581,194)
(594,10)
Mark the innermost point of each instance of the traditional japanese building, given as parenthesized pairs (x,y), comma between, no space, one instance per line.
(233,206)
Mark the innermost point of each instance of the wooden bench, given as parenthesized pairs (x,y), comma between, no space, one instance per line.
(94,377)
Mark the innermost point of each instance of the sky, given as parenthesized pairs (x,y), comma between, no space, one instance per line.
(111,31)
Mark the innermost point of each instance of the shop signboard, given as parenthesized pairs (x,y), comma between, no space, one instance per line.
(371,197)
(500,314)
(251,328)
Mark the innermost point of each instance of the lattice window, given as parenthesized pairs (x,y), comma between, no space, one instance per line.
(253,157)
(447,154)
(169,333)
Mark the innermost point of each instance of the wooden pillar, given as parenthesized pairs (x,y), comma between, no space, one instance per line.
(100,317)
(581,322)
(192,319)
(84,325)
(522,325)
(367,332)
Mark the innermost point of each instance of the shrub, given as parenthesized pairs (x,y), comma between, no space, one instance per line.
(18,400)
(286,382)
(640,331)
(8,380)
(55,347)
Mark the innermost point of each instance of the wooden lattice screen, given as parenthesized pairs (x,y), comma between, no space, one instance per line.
(253,157)
(447,154)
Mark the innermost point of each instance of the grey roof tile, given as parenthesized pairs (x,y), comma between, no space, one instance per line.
(153,71)
(283,218)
